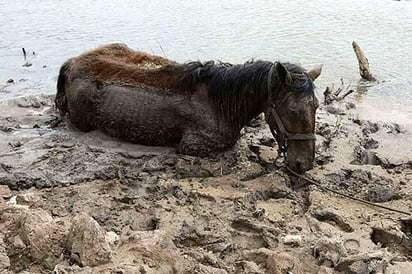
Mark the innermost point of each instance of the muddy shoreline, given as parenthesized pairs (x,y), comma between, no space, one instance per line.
(76,202)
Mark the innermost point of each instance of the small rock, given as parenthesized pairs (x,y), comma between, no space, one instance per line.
(10,81)
(356,119)
(27,102)
(350,105)
(27,64)
(279,263)
(68,145)
(49,145)
(153,165)
(357,267)
(88,241)
(27,198)
(112,238)
(13,202)
(267,155)
(294,240)
(5,192)
(249,171)
(334,110)
(18,243)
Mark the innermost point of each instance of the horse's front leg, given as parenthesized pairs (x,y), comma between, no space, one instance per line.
(203,142)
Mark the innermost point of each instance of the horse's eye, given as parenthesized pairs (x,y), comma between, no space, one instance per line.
(293,112)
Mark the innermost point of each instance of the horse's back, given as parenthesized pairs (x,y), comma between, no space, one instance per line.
(117,63)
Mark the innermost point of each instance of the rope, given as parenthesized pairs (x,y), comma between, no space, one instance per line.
(346,195)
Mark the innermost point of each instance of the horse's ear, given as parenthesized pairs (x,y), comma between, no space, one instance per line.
(282,73)
(315,72)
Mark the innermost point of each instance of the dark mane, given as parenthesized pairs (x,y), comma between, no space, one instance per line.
(225,79)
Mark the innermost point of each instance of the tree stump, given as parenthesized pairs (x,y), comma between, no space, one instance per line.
(364,69)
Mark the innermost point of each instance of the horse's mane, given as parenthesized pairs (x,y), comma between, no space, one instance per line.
(225,79)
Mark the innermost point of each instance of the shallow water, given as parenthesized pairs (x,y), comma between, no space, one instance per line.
(305,32)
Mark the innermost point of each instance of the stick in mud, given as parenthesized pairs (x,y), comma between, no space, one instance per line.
(24,53)
(364,69)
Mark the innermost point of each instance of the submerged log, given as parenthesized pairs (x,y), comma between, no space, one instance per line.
(364,69)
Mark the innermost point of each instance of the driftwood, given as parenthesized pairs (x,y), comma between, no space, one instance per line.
(24,54)
(364,69)
(27,64)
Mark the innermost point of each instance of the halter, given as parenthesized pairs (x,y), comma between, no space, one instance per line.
(282,132)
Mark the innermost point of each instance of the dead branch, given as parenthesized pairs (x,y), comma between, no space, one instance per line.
(331,95)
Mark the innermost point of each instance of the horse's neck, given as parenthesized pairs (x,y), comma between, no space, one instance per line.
(251,106)
(239,110)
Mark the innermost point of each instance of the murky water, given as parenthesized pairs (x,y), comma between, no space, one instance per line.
(305,32)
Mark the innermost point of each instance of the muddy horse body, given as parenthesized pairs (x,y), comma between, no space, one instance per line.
(151,100)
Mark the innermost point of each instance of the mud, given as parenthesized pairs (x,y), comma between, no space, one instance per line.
(74,202)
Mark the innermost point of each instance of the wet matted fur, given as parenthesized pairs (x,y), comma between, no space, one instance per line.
(151,100)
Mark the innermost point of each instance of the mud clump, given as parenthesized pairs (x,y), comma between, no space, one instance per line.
(87,242)
(365,184)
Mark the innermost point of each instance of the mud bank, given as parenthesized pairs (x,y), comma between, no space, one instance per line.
(74,202)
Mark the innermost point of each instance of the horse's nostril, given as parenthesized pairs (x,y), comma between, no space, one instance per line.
(299,167)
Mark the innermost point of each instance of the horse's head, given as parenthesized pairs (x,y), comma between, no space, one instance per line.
(291,113)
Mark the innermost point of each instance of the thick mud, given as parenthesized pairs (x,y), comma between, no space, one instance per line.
(75,202)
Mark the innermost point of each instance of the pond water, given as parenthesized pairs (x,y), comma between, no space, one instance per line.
(304,32)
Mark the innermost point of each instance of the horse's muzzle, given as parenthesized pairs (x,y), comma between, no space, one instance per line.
(300,166)
(300,155)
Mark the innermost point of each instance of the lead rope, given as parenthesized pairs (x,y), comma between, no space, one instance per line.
(345,195)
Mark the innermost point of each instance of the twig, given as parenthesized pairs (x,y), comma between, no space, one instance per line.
(24,53)
(161,48)
(346,94)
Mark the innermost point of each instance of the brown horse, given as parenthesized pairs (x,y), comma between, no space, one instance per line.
(151,100)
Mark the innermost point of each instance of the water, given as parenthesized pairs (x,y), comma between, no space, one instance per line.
(304,32)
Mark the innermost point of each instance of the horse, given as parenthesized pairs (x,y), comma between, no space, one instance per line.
(200,106)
